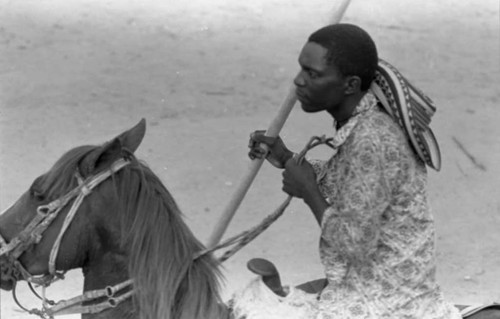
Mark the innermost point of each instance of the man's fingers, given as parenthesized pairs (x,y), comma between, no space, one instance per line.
(259,137)
(288,188)
(257,152)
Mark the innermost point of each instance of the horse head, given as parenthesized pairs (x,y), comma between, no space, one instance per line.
(100,209)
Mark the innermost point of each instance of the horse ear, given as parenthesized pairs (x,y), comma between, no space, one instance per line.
(101,157)
(110,152)
(132,138)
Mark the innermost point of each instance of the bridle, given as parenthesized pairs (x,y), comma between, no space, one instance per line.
(32,234)
(116,294)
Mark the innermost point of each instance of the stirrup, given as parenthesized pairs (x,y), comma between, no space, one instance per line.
(269,273)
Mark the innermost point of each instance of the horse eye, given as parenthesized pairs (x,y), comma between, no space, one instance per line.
(35,190)
(37,195)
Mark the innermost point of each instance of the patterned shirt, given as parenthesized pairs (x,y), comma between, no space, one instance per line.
(377,239)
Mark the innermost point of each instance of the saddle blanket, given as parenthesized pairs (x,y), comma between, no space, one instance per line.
(257,301)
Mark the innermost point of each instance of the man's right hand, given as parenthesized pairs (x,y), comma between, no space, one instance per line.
(276,153)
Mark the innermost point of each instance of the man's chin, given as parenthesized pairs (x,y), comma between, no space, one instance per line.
(308,108)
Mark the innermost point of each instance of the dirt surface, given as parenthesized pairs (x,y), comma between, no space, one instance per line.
(206,73)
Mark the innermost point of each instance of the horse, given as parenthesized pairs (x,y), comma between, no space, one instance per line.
(101,209)
(123,229)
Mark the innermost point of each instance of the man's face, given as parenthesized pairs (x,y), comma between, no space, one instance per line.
(319,86)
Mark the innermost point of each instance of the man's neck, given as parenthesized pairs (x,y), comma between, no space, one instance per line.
(347,108)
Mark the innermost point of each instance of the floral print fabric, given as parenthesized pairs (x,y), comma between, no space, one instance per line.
(377,240)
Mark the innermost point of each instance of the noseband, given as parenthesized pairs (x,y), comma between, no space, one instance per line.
(33,233)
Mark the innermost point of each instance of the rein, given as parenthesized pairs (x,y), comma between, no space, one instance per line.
(241,240)
(33,233)
(112,295)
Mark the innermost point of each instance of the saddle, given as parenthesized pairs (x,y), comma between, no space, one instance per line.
(271,278)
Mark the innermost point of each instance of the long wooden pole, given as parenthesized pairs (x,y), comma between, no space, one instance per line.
(273,130)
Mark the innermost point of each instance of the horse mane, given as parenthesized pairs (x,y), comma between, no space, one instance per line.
(168,282)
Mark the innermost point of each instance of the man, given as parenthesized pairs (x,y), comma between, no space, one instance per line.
(369,198)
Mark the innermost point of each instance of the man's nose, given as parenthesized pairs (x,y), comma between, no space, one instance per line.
(299,79)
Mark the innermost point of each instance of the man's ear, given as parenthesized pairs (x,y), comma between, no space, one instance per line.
(352,84)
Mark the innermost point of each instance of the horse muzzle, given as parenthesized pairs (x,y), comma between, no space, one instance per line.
(8,275)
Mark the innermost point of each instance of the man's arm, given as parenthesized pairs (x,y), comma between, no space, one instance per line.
(299,180)
(352,223)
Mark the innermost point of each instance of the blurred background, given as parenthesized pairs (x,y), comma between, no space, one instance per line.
(205,73)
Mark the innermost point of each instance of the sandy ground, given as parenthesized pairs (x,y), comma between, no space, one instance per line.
(206,73)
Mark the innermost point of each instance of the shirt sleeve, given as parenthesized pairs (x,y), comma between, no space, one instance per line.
(351,224)
(318,165)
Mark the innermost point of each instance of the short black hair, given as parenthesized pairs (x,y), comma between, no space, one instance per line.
(350,49)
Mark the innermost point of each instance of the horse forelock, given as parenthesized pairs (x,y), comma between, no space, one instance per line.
(168,283)
(61,177)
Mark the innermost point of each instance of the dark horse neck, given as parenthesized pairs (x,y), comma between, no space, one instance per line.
(109,270)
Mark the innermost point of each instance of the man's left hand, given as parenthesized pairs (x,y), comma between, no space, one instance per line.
(299,178)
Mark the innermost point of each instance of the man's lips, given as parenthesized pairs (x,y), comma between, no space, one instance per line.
(301,96)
